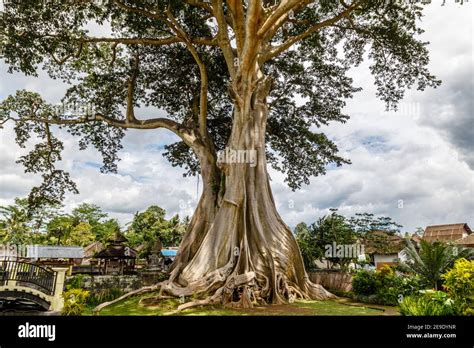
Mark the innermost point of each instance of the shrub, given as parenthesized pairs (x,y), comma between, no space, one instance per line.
(74,301)
(428,303)
(364,283)
(104,295)
(459,283)
(384,286)
(76,282)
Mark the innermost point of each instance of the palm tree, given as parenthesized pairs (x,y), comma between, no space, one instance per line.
(432,260)
(14,222)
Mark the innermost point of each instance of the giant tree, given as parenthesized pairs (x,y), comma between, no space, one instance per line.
(258,75)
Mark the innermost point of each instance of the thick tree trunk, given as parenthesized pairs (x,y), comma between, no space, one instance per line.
(237,250)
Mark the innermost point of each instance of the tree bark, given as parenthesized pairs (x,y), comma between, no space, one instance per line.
(237,250)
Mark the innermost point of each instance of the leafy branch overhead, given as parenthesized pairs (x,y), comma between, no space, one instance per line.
(186,58)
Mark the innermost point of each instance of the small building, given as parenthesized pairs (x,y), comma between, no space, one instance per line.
(447,233)
(117,258)
(89,264)
(9,252)
(168,257)
(384,249)
(90,251)
(467,242)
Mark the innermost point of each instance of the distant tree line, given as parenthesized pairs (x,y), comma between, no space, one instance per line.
(313,239)
(85,224)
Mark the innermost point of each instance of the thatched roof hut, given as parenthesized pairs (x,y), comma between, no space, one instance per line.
(467,241)
(92,249)
(446,233)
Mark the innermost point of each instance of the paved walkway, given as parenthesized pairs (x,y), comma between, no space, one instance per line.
(387,310)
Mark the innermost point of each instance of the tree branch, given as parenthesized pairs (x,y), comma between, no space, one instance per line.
(252,39)
(238,18)
(186,134)
(280,15)
(223,36)
(200,4)
(176,27)
(276,50)
(132,82)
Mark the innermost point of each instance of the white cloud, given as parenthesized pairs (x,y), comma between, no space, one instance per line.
(420,155)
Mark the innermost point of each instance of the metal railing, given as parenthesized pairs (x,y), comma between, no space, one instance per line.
(29,275)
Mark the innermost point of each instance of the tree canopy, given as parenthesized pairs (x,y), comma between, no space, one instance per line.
(314,239)
(151,225)
(184,57)
(85,224)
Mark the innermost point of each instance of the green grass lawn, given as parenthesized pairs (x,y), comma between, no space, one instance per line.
(167,307)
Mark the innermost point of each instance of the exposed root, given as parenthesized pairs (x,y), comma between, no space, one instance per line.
(238,291)
(140,291)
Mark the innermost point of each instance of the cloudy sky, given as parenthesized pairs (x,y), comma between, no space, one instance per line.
(416,165)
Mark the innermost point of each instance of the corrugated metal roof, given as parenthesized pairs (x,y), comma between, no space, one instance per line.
(169,253)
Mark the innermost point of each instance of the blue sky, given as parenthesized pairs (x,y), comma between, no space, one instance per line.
(421,156)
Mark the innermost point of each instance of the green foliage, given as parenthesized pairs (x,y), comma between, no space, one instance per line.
(432,260)
(74,301)
(429,303)
(104,295)
(362,223)
(310,251)
(149,226)
(20,224)
(384,286)
(315,239)
(14,225)
(364,283)
(83,226)
(459,283)
(75,282)
(98,70)
(81,235)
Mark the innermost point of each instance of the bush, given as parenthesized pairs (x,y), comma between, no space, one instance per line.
(364,283)
(459,283)
(428,303)
(384,286)
(104,295)
(76,282)
(74,301)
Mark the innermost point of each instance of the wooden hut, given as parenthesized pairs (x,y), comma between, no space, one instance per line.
(117,257)
(446,233)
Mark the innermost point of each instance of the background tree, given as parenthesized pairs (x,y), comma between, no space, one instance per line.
(14,224)
(19,224)
(102,227)
(432,260)
(80,235)
(362,223)
(87,219)
(228,74)
(307,243)
(317,241)
(149,226)
(59,229)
